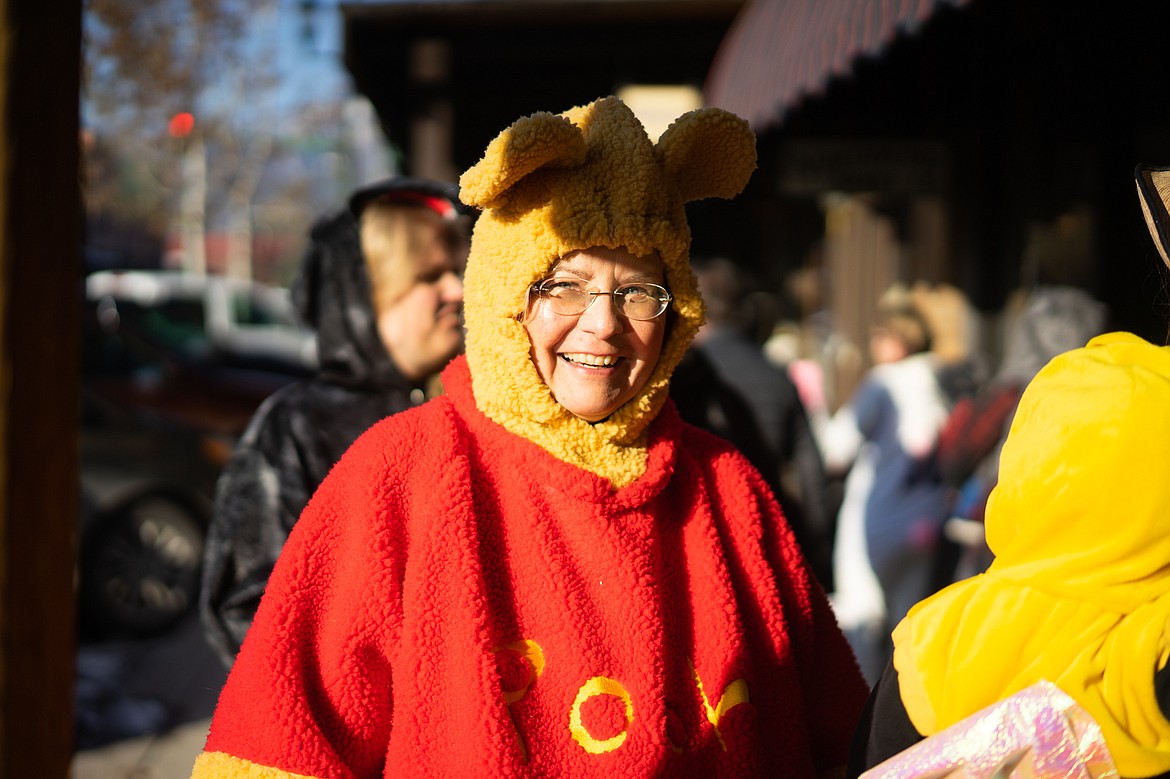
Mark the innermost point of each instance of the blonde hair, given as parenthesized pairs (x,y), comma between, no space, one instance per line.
(907,324)
(393,237)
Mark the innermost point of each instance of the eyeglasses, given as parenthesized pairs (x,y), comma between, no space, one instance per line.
(570,297)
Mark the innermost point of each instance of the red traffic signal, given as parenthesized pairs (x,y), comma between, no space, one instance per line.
(181,125)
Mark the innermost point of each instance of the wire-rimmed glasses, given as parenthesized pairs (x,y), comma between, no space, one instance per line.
(641,301)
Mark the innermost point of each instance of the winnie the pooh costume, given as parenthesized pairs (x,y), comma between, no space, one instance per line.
(488,585)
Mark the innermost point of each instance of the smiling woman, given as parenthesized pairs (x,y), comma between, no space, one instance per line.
(596,359)
(545,566)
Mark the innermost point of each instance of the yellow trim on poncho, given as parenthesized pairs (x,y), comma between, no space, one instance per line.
(218,765)
(1079,593)
(550,185)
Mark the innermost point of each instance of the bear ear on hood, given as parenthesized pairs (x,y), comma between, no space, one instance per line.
(542,140)
(708,153)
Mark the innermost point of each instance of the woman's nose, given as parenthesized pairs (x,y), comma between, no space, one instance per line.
(601,317)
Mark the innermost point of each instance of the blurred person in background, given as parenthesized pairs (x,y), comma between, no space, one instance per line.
(381,285)
(894,502)
(706,401)
(789,460)
(1043,321)
(961,368)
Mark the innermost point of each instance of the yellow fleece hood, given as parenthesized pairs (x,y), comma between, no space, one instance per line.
(553,184)
(1079,593)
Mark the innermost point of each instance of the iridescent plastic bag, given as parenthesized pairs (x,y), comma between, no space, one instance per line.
(1038,733)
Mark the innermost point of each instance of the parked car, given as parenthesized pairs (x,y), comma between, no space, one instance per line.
(174,365)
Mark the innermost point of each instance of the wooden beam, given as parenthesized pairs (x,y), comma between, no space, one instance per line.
(40,238)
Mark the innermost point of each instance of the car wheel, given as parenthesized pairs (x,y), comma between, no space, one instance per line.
(140,566)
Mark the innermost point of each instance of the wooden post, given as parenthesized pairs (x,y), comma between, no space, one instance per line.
(40,261)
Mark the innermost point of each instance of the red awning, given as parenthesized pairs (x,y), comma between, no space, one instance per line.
(778,51)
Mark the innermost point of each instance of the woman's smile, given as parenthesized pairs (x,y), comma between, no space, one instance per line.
(594,361)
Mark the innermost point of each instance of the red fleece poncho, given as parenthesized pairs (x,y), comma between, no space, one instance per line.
(457,602)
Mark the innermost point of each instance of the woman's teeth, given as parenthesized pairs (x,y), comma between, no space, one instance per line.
(591,360)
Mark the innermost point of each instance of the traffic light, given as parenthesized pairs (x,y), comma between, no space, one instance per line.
(181,124)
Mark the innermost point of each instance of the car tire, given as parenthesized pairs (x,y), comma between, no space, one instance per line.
(139,567)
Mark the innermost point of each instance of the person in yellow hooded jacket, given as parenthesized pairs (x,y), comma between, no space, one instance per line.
(545,572)
(1078,594)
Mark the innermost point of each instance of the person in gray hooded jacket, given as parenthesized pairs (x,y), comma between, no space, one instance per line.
(381,285)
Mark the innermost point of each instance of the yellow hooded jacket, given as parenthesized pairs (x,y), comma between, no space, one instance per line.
(1079,593)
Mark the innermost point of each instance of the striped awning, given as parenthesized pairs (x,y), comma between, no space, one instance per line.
(778,51)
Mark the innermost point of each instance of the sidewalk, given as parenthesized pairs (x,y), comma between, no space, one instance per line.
(166,756)
(177,675)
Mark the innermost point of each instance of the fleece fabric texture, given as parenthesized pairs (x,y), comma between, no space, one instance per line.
(552,184)
(1079,592)
(298,433)
(456,601)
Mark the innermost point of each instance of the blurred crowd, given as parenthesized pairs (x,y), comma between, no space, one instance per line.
(911,453)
